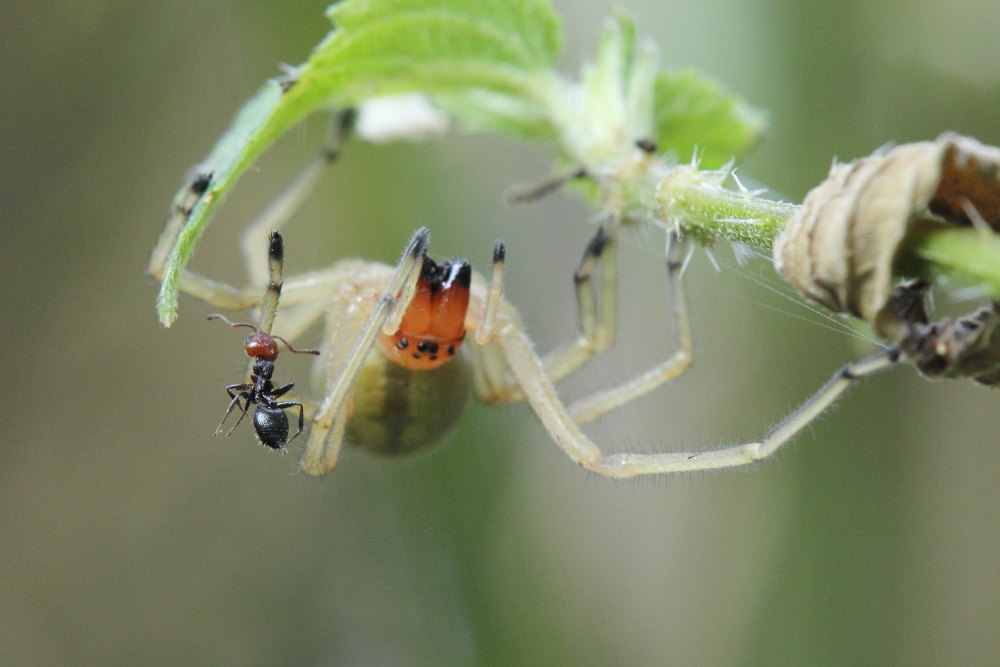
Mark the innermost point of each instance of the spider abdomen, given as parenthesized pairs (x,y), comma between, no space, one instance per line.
(398,411)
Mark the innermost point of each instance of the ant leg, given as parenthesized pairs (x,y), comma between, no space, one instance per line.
(243,414)
(282,390)
(241,389)
(233,403)
(344,359)
(293,404)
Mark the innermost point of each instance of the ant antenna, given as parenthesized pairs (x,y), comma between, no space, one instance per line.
(260,344)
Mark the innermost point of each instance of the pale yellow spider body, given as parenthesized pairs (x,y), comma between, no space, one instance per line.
(392,409)
(373,402)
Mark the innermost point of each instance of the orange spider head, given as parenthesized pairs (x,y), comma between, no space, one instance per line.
(433,327)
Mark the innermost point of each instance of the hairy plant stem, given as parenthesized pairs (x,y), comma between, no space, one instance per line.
(703,209)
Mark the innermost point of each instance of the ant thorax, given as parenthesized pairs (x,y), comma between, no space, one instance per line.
(263,368)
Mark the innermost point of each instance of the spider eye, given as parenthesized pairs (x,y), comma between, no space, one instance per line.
(433,327)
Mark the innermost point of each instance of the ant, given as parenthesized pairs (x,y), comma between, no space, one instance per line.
(269,420)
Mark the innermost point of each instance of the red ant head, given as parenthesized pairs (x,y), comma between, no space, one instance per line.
(260,346)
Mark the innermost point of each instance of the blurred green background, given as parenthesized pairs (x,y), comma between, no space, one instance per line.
(128,534)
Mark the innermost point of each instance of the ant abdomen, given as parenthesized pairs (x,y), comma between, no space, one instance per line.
(271,426)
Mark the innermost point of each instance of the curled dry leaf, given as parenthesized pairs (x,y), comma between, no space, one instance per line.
(840,247)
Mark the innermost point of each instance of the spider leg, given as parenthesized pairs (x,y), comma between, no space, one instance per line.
(596,312)
(628,465)
(493,384)
(490,377)
(494,295)
(530,373)
(255,238)
(595,405)
(545,187)
(345,358)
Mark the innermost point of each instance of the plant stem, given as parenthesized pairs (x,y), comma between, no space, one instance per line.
(709,212)
(704,210)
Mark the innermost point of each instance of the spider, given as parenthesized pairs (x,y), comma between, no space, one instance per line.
(393,381)
(269,420)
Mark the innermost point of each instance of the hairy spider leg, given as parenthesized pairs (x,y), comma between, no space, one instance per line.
(528,370)
(255,237)
(272,289)
(595,325)
(332,415)
(595,405)
(597,303)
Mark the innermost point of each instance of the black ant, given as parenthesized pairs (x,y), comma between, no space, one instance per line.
(269,420)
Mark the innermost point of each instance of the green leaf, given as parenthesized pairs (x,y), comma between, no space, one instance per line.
(624,96)
(379,47)
(968,256)
(693,112)
(262,119)
(524,34)
(511,116)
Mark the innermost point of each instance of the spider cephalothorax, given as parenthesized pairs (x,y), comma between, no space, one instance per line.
(433,327)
